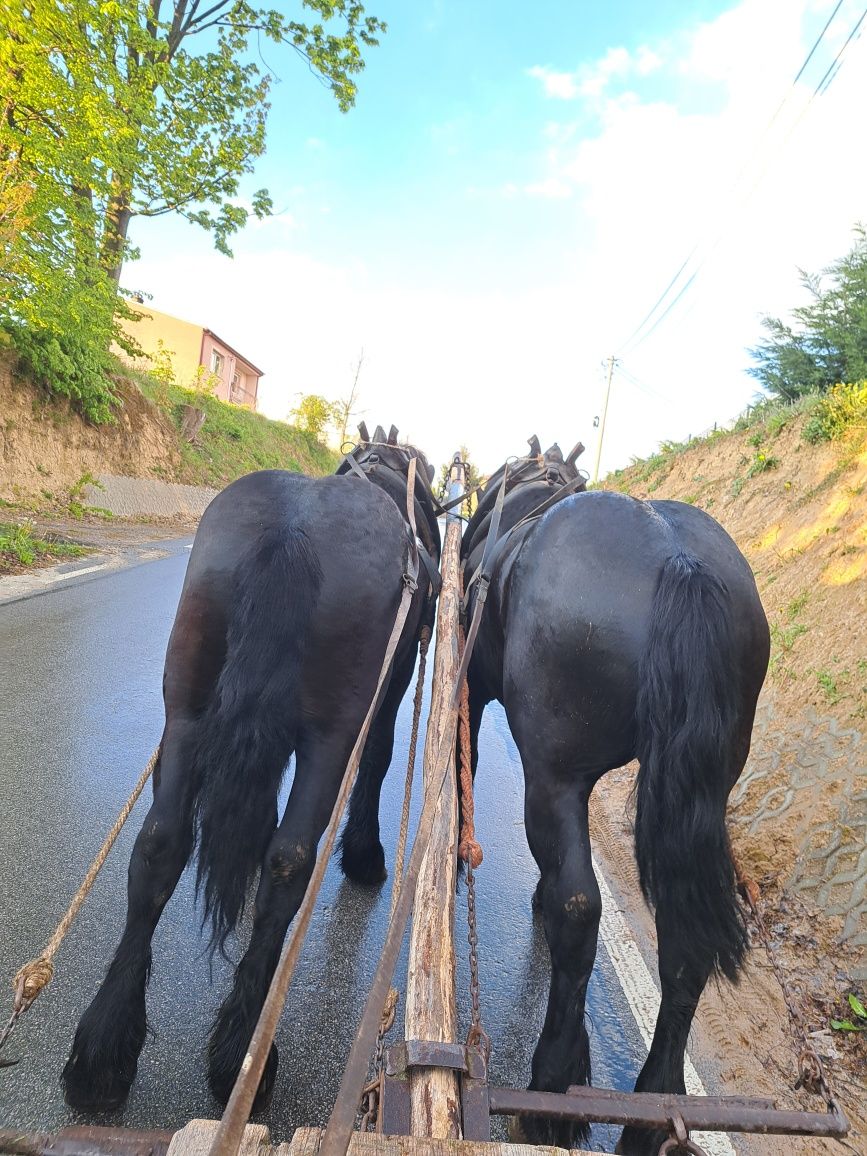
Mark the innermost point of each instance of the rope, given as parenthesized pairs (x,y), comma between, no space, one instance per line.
(371,1092)
(400,853)
(468,849)
(34,976)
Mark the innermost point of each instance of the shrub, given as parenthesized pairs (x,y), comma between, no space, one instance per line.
(842,408)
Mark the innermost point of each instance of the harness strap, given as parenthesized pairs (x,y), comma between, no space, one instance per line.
(494,548)
(484,582)
(432,571)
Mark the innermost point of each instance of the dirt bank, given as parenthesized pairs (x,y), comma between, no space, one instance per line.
(46,447)
(48,451)
(798,816)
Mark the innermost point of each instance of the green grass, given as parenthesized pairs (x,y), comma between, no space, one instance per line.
(19,546)
(233,440)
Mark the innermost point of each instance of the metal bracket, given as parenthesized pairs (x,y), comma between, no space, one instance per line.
(395,1110)
(479,1101)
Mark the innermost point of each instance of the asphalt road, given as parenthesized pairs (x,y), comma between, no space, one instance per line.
(80,713)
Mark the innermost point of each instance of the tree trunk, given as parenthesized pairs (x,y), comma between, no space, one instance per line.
(117,218)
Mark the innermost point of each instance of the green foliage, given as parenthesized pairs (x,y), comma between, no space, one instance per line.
(472,479)
(828,341)
(844,407)
(828,683)
(782,642)
(234,440)
(19,546)
(847,1025)
(314,414)
(73,364)
(761,463)
(125,108)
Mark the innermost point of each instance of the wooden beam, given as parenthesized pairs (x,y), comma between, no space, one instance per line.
(431,1007)
(305,1142)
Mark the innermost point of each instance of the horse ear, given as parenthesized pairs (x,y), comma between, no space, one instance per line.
(392,436)
(379,434)
(362,431)
(535,447)
(575,453)
(431,472)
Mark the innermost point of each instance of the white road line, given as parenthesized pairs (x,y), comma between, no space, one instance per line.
(76,573)
(642,995)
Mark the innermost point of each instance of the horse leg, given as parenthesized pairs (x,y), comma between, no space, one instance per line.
(111,1033)
(682,982)
(361,854)
(286,870)
(686,962)
(557,830)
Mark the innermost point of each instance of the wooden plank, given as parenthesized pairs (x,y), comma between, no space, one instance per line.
(431,1006)
(196,1138)
(305,1142)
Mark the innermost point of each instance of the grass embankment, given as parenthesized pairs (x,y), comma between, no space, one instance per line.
(233,440)
(789,483)
(21,548)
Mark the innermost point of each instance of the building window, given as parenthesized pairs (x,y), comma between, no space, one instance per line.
(217,363)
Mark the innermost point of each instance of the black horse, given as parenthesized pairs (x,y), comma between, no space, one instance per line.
(617,629)
(291,592)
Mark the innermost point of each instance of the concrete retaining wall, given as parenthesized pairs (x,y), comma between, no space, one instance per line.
(135,497)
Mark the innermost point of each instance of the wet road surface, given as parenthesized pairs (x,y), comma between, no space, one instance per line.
(81,711)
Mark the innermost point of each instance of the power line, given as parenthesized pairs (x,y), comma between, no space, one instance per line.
(659,301)
(642,385)
(821,87)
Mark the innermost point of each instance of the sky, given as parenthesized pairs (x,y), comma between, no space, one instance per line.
(513,192)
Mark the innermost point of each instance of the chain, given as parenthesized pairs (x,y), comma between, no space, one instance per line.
(679,1139)
(811,1070)
(471,853)
(477,1036)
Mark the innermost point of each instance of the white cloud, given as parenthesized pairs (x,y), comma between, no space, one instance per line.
(550,188)
(490,367)
(658,178)
(592,80)
(560,85)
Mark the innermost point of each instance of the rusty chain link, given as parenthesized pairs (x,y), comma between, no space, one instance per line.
(370,1095)
(679,1139)
(811,1070)
(470,852)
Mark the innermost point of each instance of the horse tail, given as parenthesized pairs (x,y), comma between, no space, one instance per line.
(249,731)
(687,718)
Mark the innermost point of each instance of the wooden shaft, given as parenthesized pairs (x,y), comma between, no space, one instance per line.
(431,1005)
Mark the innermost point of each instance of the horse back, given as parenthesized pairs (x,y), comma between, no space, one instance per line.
(357,544)
(575,604)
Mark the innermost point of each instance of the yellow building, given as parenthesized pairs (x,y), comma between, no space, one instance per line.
(195,352)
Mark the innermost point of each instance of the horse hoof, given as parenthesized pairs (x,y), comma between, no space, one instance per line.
(363,865)
(639,1142)
(223,1072)
(552,1133)
(90,1089)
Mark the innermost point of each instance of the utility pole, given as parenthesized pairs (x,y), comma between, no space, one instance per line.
(612,361)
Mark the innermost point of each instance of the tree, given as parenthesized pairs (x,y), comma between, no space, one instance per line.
(472,478)
(828,342)
(314,414)
(344,408)
(112,109)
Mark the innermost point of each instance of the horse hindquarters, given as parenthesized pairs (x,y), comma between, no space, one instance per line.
(688,731)
(248,732)
(692,741)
